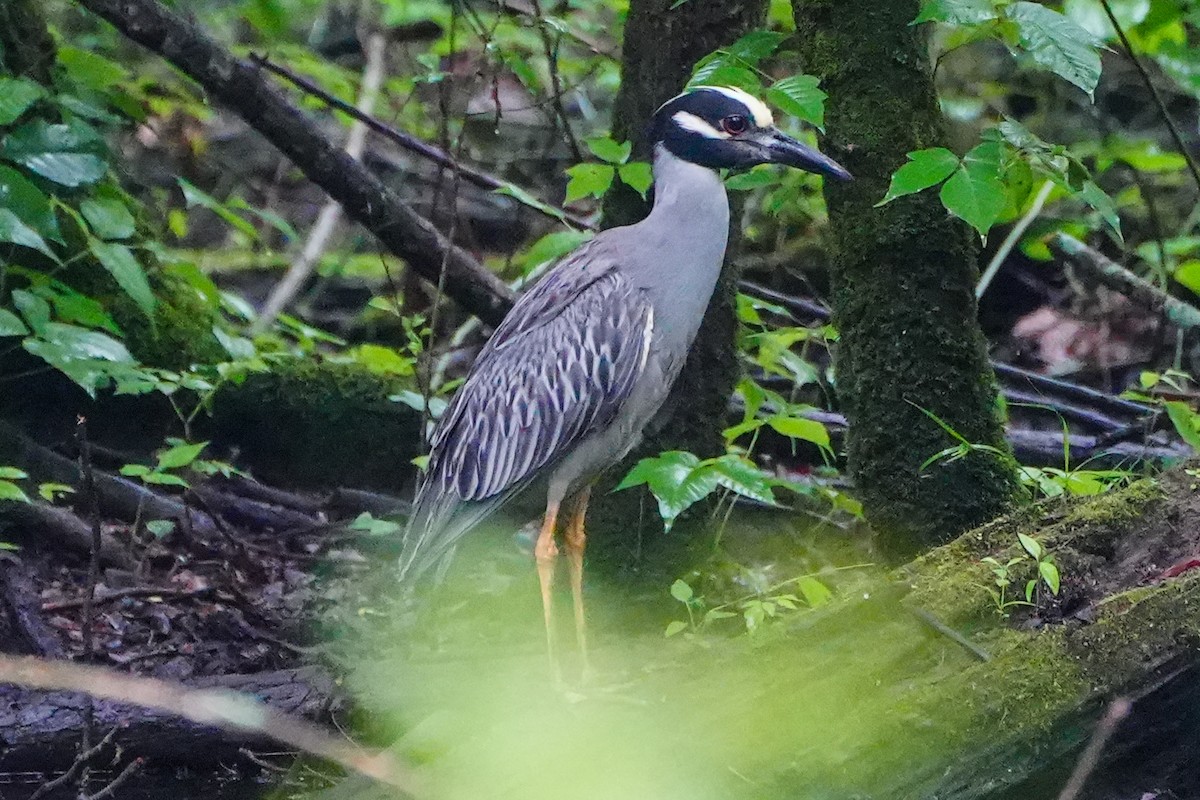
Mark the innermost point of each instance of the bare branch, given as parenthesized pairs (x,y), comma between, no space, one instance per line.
(221,708)
(240,85)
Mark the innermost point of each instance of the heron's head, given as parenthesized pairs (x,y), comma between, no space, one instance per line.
(721,127)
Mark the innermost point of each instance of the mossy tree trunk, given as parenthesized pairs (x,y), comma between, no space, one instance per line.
(662,45)
(903,285)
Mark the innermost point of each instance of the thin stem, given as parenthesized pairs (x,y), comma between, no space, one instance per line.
(1158,100)
(1014,236)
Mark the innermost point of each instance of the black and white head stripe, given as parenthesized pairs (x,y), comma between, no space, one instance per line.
(722,127)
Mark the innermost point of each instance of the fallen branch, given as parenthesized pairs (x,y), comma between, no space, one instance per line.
(240,86)
(19,594)
(1108,273)
(129,591)
(225,709)
(58,527)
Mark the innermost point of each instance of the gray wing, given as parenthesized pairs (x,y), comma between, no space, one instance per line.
(560,366)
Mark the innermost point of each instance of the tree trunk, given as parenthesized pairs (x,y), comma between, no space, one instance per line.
(662,45)
(903,286)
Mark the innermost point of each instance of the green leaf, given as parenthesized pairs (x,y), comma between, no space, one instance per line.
(1031,545)
(194,196)
(755,46)
(11,325)
(525,198)
(16,96)
(552,247)
(740,476)
(956,12)
(14,231)
(50,490)
(605,149)
(589,180)
(681,591)
(34,309)
(125,269)
(675,627)
(676,479)
(108,217)
(637,176)
(1049,572)
(64,154)
(10,491)
(800,428)
(91,69)
(19,195)
(1187,274)
(801,97)
(180,455)
(717,71)
(165,479)
(815,593)
(1184,420)
(134,470)
(1098,199)
(754,179)
(975,192)
(13,474)
(1057,43)
(925,168)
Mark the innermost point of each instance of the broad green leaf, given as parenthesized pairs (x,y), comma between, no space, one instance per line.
(165,479)
(589,180)
(956,12)
(11,325)
(71,306)
(125,269)
(676,479)
(606,149)
(19,195)
(180,455)
(755,46)
(160,528)
(975,192)
(1187,274)
(1098,199)
(552,247)
(1184,420)
(13,474)
(90,358)
(50,491)
(754,179)
(108,217)
(64,154)
(14,231)
(525,198)
(1049,572)
(925,168)
(675,627)
(16,96)
(815,593)
(91,69)
(801,97)
(637,176)
(34,309)
(681,591)
(740,476)
(1031,545)
(81,343)
(1057,43)
(717,71)
(799,428)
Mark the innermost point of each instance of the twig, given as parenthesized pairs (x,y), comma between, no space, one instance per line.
(1114,276)
(945,630)
(131,769)
(1013,237)
(79,763)
(1118,710)
(241,86)
(555,83)
(421,148)
(285,291)
(131,591)
(1158,100)
(87,490)
(222,708)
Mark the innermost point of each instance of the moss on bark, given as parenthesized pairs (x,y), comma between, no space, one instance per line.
(903,284)
(313,424)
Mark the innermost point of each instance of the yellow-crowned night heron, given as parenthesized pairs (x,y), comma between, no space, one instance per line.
(584,360)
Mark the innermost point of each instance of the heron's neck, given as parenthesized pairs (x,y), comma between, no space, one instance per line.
(680,246)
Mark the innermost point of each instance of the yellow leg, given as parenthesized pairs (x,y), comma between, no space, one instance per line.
(545,551)
(576,541)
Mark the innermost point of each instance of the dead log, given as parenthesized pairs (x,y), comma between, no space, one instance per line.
(45,524)
(40,730)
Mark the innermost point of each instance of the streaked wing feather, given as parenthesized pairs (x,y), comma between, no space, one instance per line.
(560,366)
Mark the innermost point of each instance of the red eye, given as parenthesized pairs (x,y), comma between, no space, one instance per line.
(735,125)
